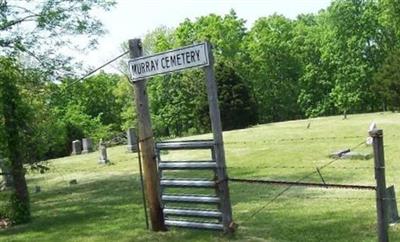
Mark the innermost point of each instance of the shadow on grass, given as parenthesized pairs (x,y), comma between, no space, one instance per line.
(93,207)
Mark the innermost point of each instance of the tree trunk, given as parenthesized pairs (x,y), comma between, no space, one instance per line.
(12,124)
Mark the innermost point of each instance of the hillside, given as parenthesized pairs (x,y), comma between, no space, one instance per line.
(106,204)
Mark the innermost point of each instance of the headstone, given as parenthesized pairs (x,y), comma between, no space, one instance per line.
(347,154)
(372,126)
(87,145)
(7,178)
(339,153)
(353,155)
(369,139)
(103,153)
(132,140)
(76,147)
(37,189)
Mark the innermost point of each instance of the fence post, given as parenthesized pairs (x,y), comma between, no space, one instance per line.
(381,202)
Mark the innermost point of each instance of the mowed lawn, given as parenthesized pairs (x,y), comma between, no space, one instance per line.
(106,204)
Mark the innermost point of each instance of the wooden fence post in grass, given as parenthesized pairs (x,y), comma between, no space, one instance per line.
(381,201)
(146,143)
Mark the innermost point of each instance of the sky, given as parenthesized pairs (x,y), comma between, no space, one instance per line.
(133,19)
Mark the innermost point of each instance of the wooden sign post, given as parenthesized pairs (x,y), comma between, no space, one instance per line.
(146,143)
(219,144)
(142,67)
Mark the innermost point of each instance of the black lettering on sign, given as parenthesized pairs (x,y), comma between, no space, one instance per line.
(167,62)
(153,65)
(137,69)
(163,65)
(183,58)
(147,66)
(198,54)
(142,66)
(187,55)
(173,60)
(178,60)
(192,54)
(133,68)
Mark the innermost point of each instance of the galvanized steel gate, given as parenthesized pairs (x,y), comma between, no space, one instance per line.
(178,207)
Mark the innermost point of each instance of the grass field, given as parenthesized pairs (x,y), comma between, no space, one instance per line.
(106,204)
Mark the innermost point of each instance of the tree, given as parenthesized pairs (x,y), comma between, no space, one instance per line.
(272,68)
(387,81)
(238,108)
(178,102)
(315,82)
(42,29)
(355,51)
(35,33)
(14,120)
(389,17)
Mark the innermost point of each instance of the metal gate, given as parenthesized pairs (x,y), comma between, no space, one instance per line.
(201,206)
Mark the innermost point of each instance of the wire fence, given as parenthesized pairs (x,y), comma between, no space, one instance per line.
(300,181)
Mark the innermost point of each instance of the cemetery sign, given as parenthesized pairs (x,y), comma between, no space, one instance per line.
(170,61)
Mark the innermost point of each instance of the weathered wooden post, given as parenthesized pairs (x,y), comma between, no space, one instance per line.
(146,143)
(219,143)
(381,201)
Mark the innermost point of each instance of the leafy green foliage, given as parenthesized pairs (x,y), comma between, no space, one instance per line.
(15,131)
(238,108)
(315,82)
(387,81)
(179,101)
(33,32)
(5,204)
(272,69)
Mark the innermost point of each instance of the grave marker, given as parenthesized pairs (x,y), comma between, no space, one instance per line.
(103,153)
(7,178)
(87,145)
(76,147)
(132,140)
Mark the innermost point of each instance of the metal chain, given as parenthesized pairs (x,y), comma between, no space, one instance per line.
(306,184)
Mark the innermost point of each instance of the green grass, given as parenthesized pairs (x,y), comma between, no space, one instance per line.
(106,204)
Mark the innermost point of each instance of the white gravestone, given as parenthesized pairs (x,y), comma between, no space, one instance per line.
(76,147)
(372,126)
(87,145)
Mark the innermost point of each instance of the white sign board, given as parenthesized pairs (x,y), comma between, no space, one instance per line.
(170,61)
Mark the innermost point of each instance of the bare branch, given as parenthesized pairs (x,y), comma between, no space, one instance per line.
(18,21)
